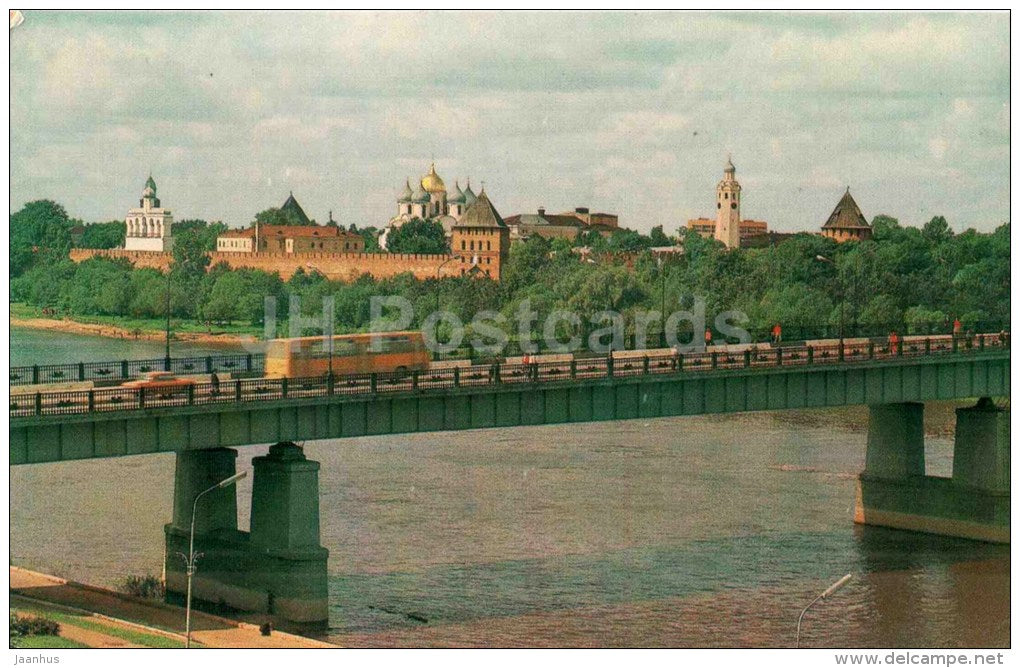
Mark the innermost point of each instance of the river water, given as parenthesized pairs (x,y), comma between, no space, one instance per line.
(675,532)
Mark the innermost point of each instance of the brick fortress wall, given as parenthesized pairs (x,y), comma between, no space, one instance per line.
(335,266)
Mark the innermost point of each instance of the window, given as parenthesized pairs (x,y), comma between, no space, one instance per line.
(725,195)
(463,245)
(719,205)
(733,205)
(488,245)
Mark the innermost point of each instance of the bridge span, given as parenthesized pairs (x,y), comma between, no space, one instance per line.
(279,566)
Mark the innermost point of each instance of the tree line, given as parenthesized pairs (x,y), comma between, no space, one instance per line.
(914,279)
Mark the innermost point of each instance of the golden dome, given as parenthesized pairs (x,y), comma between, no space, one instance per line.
(431,181)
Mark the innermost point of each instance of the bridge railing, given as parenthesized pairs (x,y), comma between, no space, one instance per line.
(130,369)
(121,398)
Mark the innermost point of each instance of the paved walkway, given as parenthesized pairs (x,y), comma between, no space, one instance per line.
(159,618)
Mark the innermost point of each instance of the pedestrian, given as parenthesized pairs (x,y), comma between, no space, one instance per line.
(957,328)
(894,342)
(214,380)
(708,336)
(777,334)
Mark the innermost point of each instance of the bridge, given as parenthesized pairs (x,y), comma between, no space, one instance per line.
(279,566)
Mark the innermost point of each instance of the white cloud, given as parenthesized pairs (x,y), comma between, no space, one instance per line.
(632,113)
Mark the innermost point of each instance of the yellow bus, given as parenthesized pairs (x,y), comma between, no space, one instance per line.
(309,356)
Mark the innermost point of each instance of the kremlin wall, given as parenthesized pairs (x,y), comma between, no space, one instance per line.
(335,266)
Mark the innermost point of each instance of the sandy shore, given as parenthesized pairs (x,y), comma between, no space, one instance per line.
(114,332)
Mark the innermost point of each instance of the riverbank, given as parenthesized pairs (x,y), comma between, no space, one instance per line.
(97,617)
(111,331)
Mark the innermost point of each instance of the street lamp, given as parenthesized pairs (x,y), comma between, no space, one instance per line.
(169,272)
(842,292)
(833,588)
(662,297)
(191,559)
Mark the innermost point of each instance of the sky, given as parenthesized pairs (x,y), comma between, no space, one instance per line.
(632,113)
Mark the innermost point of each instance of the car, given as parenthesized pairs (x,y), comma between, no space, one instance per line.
(162,383)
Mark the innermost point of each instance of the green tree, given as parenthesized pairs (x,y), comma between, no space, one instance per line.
(417,236)
(658,238)
(189,256)
(39,231)
(103,235)
(277,216)
(937,230)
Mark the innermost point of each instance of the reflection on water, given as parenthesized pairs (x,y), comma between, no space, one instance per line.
(672,532)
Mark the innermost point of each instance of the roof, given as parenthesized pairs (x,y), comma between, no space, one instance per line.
(290,231)
(291,206)
(406,195)
(545,219)
(481,214)
(846,215)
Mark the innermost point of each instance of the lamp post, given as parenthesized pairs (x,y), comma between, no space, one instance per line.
(191,559)
(842,292)
(833,588)
(169,273)
(662,297)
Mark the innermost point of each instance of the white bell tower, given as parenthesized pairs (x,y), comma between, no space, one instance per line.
(727,199)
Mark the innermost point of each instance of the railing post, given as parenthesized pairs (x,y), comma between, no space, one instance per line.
(842,350)
(283,387)
(679,361)
(141,397)
(166,363)
(124,370)
(779,357)
(81,370)
(208,363)
(237,390)
(810,355)
(871,349)
(38,403)
(927,345)
(900,347)
(330,384)
(715,359)
(644,367)
(456,376)
(498,374)
(609,365)
(92,401)
(248,361)
(573,369)
(414,379)
(35,374)
(191,394)
(373,381)
(981,342)
(747,358)
(955,342)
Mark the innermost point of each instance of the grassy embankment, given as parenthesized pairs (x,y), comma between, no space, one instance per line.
(88,623)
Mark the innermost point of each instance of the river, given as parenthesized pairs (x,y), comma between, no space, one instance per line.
(675,532)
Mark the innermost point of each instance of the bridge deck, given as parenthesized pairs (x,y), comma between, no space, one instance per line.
(55,426)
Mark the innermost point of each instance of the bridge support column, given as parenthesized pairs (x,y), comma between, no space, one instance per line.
(279,569)
(285,532)
(894,492)
(197,471)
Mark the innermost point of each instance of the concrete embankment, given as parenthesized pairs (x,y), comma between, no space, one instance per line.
(106,613)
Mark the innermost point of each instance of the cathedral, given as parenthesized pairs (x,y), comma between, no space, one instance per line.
(429,199)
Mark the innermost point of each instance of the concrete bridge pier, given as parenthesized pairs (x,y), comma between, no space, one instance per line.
(893,491)
(279,568)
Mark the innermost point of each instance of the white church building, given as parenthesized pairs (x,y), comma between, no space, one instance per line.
(148,226)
